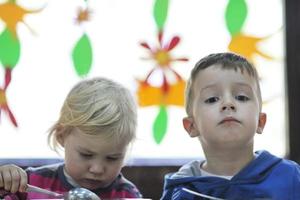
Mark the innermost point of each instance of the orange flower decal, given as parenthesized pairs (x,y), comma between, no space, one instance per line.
(12,14)
(247,46)
(150,95)
(83,15)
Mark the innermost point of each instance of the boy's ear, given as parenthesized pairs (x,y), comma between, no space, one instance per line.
(189,126)
(261,122)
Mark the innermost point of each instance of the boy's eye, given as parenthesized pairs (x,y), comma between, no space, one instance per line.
(242,98)
(211,100)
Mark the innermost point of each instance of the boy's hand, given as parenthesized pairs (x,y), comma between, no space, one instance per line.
(13,178)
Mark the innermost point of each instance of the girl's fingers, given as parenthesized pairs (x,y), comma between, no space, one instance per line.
(13,178)
(23,181)
(1,180)
(7,180)
(16,178)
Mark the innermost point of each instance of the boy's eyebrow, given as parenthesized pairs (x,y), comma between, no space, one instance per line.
(207,87)
(244,85)
(214,85)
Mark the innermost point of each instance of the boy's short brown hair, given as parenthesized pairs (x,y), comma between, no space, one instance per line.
(226,61)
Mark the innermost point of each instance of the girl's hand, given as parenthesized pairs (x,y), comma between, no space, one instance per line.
(13,178)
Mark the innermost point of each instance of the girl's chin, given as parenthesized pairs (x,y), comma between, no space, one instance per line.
(92,185)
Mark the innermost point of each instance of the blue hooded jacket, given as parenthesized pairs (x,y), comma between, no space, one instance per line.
(266,177)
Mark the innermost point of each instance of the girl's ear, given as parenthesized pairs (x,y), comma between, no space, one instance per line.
(60,136)
(261,122)
(189,126)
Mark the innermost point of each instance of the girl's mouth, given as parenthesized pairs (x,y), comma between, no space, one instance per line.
(92,184)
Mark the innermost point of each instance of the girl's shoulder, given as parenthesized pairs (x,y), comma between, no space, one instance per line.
(51,176)
(45,169)
(121,187)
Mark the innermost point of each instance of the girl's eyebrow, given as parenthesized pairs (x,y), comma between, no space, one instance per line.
(85,150)
(81,149)
(116,154)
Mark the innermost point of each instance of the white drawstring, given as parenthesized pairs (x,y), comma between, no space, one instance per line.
(201,195)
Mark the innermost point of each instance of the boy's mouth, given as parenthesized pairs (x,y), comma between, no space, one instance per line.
(229,120)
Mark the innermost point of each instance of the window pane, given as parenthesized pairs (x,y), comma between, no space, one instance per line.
(44,72)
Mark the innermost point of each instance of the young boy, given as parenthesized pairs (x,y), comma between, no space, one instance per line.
(223,105)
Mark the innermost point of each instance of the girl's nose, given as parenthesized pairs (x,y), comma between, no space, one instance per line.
(97,168)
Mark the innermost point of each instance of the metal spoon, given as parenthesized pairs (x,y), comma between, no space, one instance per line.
(80,194)
(73,194)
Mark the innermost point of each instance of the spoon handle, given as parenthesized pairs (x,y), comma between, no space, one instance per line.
(31,188)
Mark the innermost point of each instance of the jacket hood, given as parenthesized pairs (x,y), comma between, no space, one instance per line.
(254,172)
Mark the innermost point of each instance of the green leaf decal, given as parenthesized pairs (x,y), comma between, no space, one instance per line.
(235,15)
(160,13)
(82,55)
(9,49)
(160,125)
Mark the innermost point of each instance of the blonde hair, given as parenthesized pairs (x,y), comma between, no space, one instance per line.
(97,106)
(226,61)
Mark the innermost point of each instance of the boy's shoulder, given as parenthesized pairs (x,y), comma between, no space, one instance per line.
(267,174)
(189,169)
(264,162)
(266,158)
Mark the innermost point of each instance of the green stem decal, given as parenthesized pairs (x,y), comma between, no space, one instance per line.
(160,125)
(82,55)
(235,15)
(160,13)
(9,49)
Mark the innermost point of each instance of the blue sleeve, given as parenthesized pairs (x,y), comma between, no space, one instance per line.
(296,188)
(173,191)
(167,193)
(177,194)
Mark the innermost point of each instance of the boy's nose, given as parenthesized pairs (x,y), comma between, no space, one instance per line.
(228,106)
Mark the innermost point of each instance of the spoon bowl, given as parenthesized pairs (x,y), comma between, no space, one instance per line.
(80,194)
(73,194)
